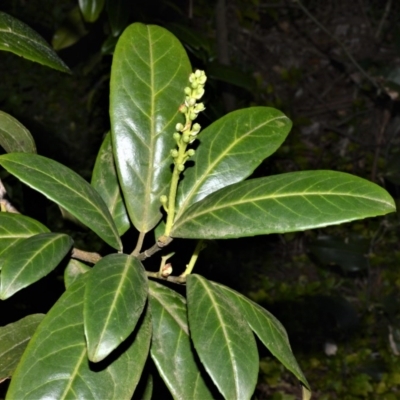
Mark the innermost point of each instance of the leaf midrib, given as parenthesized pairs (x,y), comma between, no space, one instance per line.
(273,197)
(228,342)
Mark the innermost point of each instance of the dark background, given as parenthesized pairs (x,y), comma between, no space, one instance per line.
(334,68)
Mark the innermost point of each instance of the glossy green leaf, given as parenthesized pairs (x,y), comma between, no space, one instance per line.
(230,150)
(14,338)
(31,259)
(149,72)
(67,189)
(91,9)
(55,364)
(72,29)
(171,348)
(73,271)
(118,15)
(16,227)
(14,137)
(269,330)
(283,203)
(20,39)
(105,181)
(222,339)
(116,293)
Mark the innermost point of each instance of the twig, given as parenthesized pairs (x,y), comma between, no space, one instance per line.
(139,244)
(382,21)
(161,243)
(170,278)
(82,255)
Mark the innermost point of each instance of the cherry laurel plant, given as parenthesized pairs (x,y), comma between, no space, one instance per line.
(95,341)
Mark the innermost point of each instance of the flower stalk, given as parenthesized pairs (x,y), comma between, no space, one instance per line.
(185,134)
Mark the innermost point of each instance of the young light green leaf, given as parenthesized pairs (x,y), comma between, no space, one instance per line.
(16,227)
(66,188)
(230,150)
(115,296)
(91,9)
(31,259)
(283,203)
(171,348)
(105,181)
(269,330)
(118,15)
(14,137)
(55,364)
(71,30)
(222,339)
(14,338)
(73,271)
(149,72)
(20,39)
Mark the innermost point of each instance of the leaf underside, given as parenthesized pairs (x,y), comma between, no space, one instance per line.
(20,39)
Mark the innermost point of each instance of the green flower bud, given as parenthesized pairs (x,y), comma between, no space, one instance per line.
(181,167)
(196,129)
(176,136)
(190,152)
(192,116)
(195,85)
(179,127)
(183,108)
(190,101)
(188,91)
(199,107)
(174,153)
(202,79)
(186,138)
(198,94)
(164,199)
(198,73)
(192,78)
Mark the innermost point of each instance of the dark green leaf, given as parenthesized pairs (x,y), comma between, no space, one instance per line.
(14,137)
(20,39)
(270,331)
(116,293)
(31,259)
(230,149)
(349,254)
(67,189)
(74,270)
(55,364)
(148,390)
(16,227)
(105,181)
(171,348)
(232,75)
(13,340)
(71,30)
(108,45)
(118,15)
(283,203)
(149,73)
(222,339)
(91,9)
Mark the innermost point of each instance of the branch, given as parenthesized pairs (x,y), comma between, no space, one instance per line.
(162,241)
(82,255)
